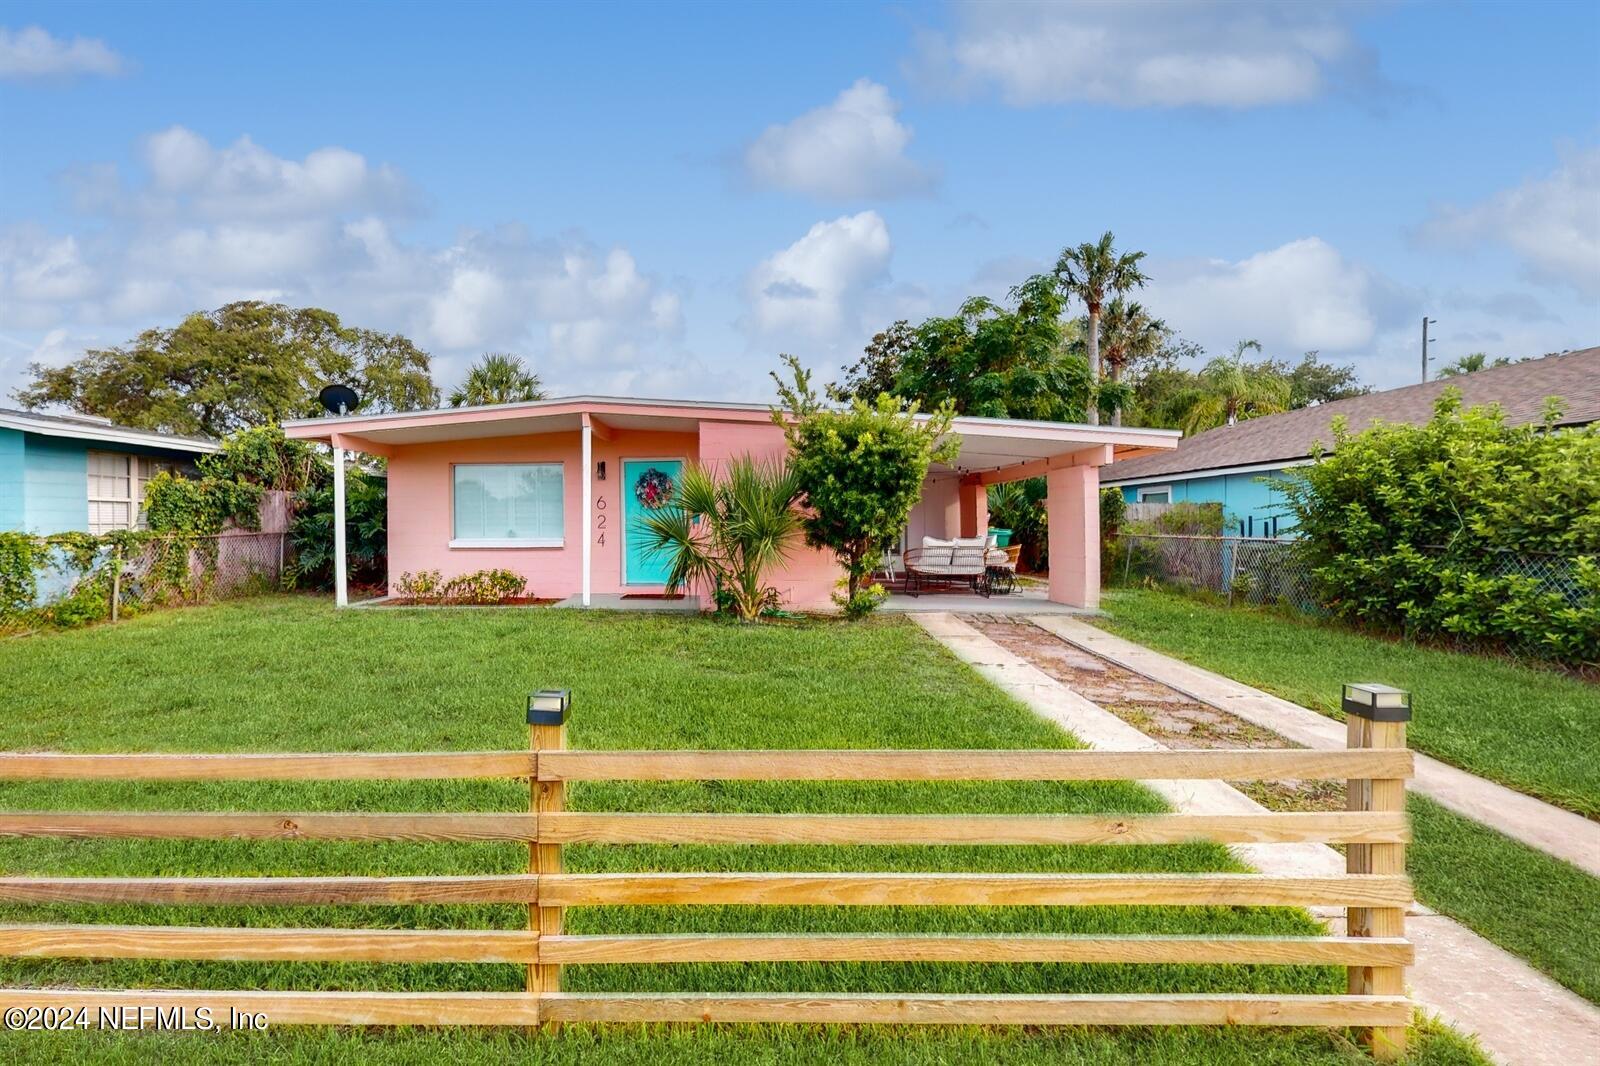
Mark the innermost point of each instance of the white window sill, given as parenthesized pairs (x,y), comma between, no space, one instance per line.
(510,542)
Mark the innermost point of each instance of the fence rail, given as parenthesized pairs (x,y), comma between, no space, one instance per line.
(1375,888)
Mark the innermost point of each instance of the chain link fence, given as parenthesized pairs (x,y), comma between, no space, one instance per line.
(1243,569)
(178,570)
(1262,570)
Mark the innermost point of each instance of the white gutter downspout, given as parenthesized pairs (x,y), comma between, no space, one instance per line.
(341,589)
(588,499)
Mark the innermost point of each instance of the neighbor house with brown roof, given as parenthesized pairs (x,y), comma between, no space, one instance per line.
(1234,465)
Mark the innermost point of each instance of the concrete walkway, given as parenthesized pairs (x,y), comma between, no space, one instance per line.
(1521,1017)
(1561,833)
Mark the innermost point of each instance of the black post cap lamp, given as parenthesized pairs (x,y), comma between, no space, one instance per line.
(1377,703)
(549,706)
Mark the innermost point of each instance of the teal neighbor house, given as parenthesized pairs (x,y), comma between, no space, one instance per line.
(1234,465)
(60,473)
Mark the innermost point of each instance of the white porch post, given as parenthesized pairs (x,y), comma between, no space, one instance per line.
(341,590)
(588,500)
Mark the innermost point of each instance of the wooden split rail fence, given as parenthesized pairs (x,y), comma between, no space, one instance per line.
(1375,889)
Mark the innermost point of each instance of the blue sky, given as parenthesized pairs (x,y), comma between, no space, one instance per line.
(657,199)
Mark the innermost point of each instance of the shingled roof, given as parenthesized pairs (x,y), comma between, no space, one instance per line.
(1520,389)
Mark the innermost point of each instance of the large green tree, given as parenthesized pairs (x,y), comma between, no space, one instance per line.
(497,377)
(244,364)
(1471,364)
(997,361)
(1092,272)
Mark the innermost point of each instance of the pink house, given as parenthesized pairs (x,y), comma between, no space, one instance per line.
(552,489)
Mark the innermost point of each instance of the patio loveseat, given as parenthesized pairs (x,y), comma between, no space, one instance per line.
(940,563)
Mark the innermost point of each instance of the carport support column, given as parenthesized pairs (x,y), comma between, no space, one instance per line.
(341,586)
(1073,506)
(974,502)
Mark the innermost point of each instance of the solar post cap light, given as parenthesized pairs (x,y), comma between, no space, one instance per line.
(1377,703)
(549,706)
(338,399)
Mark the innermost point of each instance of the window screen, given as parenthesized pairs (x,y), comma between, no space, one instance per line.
(508,502)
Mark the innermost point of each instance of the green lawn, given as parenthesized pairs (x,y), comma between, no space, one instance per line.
(1545,910)
(1534,729)
(290,674)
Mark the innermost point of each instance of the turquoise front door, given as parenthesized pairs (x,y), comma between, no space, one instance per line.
(644,483)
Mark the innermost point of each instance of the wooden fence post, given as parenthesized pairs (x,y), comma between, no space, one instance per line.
(547,731)
(1375,717)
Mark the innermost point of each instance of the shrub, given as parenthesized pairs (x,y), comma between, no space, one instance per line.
(1462,527)
(867,598)
(1019,507)
(199,508)
(426,585)
(729,532)
(366,530)
(485,586)
(861,469)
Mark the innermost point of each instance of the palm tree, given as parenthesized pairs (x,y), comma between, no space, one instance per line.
(1231,389)
(1130,334)
(498,377)
(728,532)
(1090,272)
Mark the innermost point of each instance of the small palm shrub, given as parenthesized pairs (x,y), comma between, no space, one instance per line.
(728,530)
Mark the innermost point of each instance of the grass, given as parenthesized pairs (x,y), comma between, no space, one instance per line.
(290,674)
(1533,905)
(1539,908)
(1534,729)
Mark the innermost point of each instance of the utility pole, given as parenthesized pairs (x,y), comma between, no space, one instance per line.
(1426,322)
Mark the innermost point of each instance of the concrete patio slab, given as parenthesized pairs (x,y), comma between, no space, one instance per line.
(1561,833)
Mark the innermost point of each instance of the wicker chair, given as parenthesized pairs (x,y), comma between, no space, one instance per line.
(944,563)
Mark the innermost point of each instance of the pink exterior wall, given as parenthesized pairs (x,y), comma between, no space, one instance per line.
(938,512)
(807,582)
(1073,507)
(420,499)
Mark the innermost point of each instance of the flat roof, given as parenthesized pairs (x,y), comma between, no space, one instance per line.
(80,427)
(986,443)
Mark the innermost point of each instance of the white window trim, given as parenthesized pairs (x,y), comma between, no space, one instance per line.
(509,542)
(457,543)
(1139,493)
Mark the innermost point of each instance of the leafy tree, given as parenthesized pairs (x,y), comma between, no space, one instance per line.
(261,456)
(861,469)
(996,362)
(498,377)
(244,364)
(729,532)
(1130,335)
(1312,381)
(1231,389)
(1471,364)
(1091,272)
(878,370)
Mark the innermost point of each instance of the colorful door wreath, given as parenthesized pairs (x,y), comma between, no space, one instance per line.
(653,488)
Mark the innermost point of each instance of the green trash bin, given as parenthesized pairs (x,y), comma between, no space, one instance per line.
(1002,537)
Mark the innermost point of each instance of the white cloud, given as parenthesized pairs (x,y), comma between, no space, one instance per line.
(32,53)
(814,286)
(1551,223)
(851,149)
(199,226)
(1300,296)
(1144,53)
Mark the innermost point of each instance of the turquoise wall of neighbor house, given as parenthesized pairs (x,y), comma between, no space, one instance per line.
(11,462)
(1247,499)
(55,484)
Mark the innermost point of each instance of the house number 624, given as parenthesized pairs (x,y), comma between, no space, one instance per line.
(600,519)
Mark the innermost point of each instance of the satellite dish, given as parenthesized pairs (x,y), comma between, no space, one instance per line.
(338,399)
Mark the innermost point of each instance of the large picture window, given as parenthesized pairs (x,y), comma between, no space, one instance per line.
(507,505)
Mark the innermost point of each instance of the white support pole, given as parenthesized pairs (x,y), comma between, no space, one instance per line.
(341,590)
(588,501)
